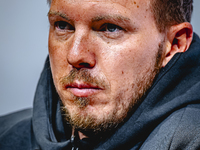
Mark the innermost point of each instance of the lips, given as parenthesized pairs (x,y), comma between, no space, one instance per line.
(82,89)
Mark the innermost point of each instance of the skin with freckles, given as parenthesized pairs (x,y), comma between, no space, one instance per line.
(104,55)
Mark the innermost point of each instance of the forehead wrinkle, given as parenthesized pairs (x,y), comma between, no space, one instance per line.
(57,13)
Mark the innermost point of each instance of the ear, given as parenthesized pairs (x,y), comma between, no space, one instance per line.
(179,38)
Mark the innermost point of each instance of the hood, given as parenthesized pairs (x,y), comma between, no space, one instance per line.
(176,86)
(48,126)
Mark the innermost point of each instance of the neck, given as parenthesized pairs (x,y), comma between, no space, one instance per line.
(81,135)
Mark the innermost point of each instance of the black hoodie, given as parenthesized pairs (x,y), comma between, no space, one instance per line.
(168,118)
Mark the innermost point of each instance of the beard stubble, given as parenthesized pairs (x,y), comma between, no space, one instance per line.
(88,122)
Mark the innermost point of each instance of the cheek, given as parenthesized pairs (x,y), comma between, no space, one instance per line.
(56,49)
(57,55)
(119,61)
(116,64)
(122,64)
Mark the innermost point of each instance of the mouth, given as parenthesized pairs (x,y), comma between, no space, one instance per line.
(82,89)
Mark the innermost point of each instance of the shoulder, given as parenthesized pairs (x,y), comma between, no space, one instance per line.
(187,133)
(180,130)
(16,128)
(11,119)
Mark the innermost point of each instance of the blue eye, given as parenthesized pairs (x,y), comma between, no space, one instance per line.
(110,28)
(62,25)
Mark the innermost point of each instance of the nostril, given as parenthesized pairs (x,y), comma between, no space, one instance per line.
(85,65)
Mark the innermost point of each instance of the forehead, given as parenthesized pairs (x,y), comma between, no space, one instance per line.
(109,6)
(124,3)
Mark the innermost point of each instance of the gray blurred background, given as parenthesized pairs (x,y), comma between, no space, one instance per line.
(24,47)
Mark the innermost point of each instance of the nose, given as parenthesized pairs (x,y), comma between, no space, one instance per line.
(81,53)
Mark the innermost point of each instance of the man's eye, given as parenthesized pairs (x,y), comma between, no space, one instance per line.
(110,28)
(62,25)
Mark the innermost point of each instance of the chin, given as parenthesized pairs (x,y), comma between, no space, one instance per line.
(88,114)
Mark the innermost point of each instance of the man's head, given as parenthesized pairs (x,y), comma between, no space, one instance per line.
(105,54)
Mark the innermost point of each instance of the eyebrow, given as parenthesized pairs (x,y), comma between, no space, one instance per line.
(95,19)
(112,17)
(57,13)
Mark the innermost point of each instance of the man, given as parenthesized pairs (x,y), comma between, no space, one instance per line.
(121,74)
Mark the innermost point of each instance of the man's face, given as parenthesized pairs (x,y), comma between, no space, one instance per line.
(103,57)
